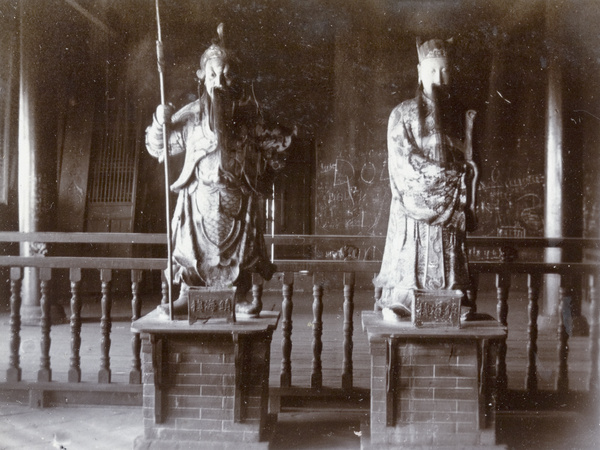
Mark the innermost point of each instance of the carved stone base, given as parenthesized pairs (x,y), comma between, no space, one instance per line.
(210,303)
(436,309)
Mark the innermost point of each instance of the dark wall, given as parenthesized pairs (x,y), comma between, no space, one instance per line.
(582,117)
(498,71)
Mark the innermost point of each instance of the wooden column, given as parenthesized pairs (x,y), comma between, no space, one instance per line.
(554,198)
(37,146)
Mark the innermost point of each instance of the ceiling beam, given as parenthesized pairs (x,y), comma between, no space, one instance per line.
(88,15)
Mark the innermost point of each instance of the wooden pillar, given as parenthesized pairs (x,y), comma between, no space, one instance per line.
(37,146)
(554,198)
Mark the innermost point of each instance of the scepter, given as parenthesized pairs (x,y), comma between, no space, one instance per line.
(469,119)
(161,67)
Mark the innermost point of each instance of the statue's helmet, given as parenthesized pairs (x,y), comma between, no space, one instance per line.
(217,50)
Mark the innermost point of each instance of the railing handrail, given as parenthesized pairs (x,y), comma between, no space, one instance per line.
(307,266)
(85,262)
(312,266)
(83,238)
(481,241)
(285,239)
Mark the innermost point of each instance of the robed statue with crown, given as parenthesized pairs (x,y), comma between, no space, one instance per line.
(433,179)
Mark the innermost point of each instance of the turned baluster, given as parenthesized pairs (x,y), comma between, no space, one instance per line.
(257,291)
(594,333)
(534,283)
(74,375)
(135,374)
(164,289)
(502,290)
(45,373)
(377,296)
(348,330)
(13,373)
(316,379)
(286,343)
(564,328)
(472,291)
(104,373)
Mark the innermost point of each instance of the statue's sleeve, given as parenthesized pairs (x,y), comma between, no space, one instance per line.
(155,142)
(426,191)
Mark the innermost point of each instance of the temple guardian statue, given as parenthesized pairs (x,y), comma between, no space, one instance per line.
(231,157)
(433,179)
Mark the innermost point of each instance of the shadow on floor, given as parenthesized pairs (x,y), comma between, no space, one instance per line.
(318,430)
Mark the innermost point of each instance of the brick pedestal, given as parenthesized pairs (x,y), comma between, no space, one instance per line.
(206,385)
(431,388)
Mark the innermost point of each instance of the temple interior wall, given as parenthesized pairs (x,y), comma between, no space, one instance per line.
(335,70)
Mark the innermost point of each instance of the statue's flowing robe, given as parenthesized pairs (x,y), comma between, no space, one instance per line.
(425,245)
(218,223)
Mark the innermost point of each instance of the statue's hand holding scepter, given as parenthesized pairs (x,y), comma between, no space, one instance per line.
(474,176)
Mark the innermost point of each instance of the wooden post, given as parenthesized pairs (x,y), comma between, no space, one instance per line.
(74,375)
(104,373)
(316,378)
(564,322)
(286,327)
(594,334)
(534,283)
(13,373)
(347,366)
(502,289)
(37,150)
(45,373)
(135,374)
(554,195)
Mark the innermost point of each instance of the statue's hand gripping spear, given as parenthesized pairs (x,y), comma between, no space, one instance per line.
(161,67)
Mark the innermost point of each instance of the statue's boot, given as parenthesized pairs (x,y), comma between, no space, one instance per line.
(244,308)
(395,313)
(472,316)
(180,306)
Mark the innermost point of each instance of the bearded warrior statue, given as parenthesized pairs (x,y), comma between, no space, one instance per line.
(231,156)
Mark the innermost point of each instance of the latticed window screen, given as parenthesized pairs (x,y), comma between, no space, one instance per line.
(113,175)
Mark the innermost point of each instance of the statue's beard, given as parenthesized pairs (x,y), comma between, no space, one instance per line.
(443,107)
(446,112)
(217,107)
(440,94)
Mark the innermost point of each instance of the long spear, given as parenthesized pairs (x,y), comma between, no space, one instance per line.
(161,67)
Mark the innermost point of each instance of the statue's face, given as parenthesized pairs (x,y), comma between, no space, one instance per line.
(217,75)
(434,72)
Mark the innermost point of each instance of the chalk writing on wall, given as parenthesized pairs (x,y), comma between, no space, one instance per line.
(513,207)
(353,198)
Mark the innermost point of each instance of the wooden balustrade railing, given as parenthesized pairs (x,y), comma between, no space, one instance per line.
(503,270)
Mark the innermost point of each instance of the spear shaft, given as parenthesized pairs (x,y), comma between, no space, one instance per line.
(161,68)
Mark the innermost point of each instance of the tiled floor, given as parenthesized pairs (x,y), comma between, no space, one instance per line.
(83,428)
(71,428)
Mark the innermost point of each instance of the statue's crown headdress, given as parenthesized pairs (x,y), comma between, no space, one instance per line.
(433,48)
(217,49)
